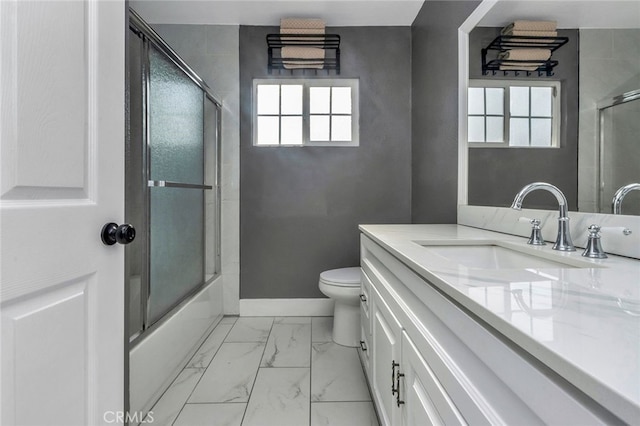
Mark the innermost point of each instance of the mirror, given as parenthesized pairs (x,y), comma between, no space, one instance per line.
(600,147)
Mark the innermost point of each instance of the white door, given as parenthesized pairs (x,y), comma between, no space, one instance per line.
(62,178)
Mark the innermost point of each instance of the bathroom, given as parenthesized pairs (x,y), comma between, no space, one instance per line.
(285,214)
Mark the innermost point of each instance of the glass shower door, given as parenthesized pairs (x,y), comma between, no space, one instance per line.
(176,187)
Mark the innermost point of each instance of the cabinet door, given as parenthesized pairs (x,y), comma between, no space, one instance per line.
(365,324)
(386,336)
(426,402)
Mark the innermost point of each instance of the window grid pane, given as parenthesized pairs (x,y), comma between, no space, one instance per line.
(281,110)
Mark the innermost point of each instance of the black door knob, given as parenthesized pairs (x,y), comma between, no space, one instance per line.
(112,233)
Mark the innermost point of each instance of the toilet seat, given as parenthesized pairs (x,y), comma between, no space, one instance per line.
(343,277)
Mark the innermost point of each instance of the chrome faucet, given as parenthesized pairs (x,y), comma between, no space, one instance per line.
(563,240)
(616,204)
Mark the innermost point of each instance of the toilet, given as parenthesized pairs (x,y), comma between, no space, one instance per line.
(343,286)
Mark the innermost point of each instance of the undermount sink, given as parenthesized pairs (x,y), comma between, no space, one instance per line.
(491,256)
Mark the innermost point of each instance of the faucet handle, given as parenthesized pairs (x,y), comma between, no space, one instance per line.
(616,229)
(536,232)
(594,247)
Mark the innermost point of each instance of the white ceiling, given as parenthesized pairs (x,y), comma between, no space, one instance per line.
(335,13)
(568,13)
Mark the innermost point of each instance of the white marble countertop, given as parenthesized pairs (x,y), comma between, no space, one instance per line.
(581,319)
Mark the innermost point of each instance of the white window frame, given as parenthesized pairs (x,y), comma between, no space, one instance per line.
(353,83)
(556,110)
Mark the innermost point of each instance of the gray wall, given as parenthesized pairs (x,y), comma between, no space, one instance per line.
(434,115)
(300,207)
(497,174)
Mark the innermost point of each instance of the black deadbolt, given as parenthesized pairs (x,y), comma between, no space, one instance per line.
(112,233)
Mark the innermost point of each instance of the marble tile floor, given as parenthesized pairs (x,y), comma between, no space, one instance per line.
(269,371)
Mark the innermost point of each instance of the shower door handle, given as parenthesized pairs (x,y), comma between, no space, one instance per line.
(112,233)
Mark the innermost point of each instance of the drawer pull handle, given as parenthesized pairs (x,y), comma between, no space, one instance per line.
(363,346)
(363,298)
(398,401)
(394,364)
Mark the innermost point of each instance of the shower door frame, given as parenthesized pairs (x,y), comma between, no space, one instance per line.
(603,105)
(150,37)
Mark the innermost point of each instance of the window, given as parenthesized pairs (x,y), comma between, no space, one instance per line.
(505,113)
(292,112)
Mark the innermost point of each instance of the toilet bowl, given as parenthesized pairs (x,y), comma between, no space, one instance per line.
(343,286)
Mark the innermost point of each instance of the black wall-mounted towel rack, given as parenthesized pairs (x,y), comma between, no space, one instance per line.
(505,43)
(329,42)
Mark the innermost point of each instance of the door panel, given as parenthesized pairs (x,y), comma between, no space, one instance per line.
(386,336)
(426,400)
(61,290)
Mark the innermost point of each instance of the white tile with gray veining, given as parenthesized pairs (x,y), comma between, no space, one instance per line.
(336,374)
(211,414)
(169,405)
(280,398)
(321,329)
(230,376)
(205,353)
(228,320)
(343,414)
(292,320)
(250,329)
(289,345)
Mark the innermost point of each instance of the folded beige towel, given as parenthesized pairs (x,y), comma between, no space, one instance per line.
(530,26)
(524,67)
(526,54)
(298,52)
(302,24)
(531,33)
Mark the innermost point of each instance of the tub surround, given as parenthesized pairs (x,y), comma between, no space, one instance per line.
(583,323)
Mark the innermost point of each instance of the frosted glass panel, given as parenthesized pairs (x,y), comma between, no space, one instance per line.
(495,129)
(292,130)
(495,101)
(519,132)
(319,128)
(268,99)
(476,129)
(519,101)
(341,100)
(177,245)
(340,128)
(176,122)
(319,100)
(540,132)
(541,101)
(476,100)
(268,131)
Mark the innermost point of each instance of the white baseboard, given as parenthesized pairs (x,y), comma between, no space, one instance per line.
(286,307)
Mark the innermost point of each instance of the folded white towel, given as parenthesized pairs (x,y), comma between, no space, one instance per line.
(526,54)
(530,26)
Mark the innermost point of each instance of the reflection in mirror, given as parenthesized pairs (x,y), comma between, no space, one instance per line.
(608,145)
(620,155)
(599,147)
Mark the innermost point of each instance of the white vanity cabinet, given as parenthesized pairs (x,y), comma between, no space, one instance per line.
(432,362)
